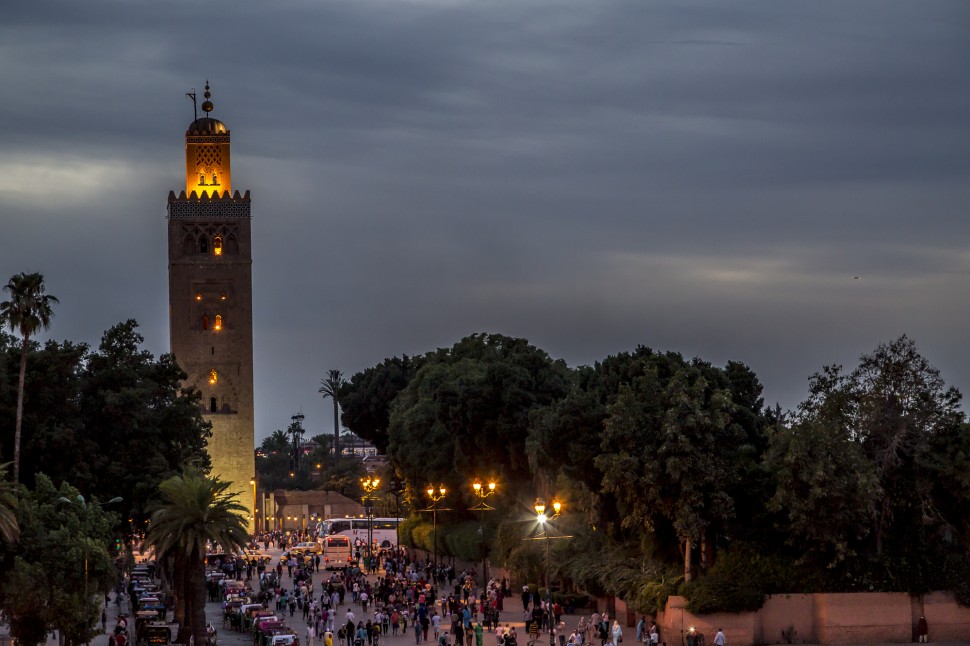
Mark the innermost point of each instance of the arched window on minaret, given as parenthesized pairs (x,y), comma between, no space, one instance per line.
(217,246)
(215,179)
(188,244)
(213,377)
(213,406)
(203,245)
(205,321)
(201,179)
(218,323)
(232,245)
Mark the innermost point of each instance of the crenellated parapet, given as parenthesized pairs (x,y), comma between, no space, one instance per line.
(207,196)
(182,207)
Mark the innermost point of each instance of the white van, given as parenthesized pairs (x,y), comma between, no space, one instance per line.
(337,552)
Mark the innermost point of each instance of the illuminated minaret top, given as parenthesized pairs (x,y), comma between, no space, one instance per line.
(207,168)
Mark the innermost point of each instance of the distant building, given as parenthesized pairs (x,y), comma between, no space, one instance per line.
(299,510)
(353,445)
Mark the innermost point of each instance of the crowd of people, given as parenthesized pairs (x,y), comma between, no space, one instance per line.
(413,596)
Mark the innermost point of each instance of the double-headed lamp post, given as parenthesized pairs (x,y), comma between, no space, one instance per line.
(436,495)
(83,504)
(543,519)
(483,492)
(369,485)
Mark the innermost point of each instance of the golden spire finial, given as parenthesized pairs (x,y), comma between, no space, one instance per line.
(207,104)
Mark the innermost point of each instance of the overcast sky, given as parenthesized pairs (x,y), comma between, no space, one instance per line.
(704,177)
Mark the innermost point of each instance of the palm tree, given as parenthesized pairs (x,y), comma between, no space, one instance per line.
(9,530)
(194,512)
(27,311)
(330,387)
(277,442)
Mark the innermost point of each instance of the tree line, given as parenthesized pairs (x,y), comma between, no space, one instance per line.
(108,450)
(675,475)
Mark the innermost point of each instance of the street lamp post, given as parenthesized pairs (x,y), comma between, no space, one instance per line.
(435,496)
(483,492)
(252,481)
(397,518)
(84,507)
(543,519)
(369,485)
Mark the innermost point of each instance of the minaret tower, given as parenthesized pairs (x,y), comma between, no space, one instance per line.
(210,298)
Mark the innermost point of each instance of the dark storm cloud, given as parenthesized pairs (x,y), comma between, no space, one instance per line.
(705,177)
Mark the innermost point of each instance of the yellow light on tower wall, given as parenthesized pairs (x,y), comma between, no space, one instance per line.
(213,377)
(218,324)
(217,246)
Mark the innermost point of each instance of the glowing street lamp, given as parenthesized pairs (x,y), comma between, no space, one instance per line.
(542,518)
(435,496)
(483,492)
(369,485)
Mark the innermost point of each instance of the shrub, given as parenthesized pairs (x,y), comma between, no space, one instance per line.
(743,576)
(464,541)
(406,527)
(421,535)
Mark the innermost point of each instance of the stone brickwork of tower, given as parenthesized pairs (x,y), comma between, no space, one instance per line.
(210,300)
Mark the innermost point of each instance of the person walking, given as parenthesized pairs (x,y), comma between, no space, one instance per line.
(719,639)
(617,633)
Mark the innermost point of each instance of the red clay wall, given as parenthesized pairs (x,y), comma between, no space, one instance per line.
(945,619)
(787,616)
(677,621)
(862,617)
(856,618)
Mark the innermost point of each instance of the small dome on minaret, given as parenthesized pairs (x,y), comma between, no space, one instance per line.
(207,125)
(207,165)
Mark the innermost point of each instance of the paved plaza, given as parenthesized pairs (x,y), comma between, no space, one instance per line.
(512,616)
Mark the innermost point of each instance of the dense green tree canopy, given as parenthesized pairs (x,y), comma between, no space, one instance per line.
(658,458)
(114,421)
(883,440)
(366,399)
(467,410)
(44,582)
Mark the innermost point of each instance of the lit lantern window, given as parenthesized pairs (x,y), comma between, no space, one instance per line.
(198,296)
(217,246)
(222,296)
(218,324)
(213,377)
